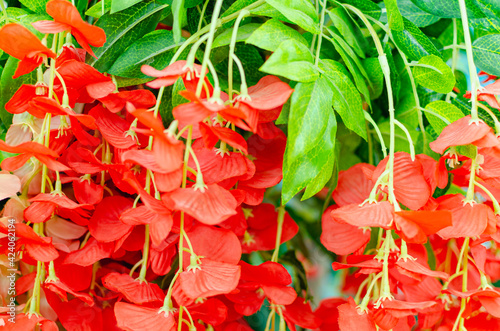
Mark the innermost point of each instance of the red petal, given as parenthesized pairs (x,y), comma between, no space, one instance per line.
(105,224)
(352,319)
(212,279)
(50,26)
(115,102)
(369,215)
(300,313)
(134,290)
(27,44)
(169,153)
(137,318)
(64,12)
(415,267)
(410,186)
(177,68)
(215,244)
(269,93)
(460,132)
(169,181)
(190,113)
(342,239)
(353,186)
(210,207)
(92,252)
(228,136)
(113,128)
(79,75)
(468,221)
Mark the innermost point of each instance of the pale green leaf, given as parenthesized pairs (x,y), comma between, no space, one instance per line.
(394,16)
(300,12)
(441,82)
(292,60)
(443,109)
(270,35)
(243,33)
(486,50)
(155,49)
(413,42)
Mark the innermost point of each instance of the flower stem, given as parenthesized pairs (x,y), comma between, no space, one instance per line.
(232,46)
(281,218)
(470,59)
(318,47)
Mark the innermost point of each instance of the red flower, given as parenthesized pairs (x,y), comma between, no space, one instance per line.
(415,226)
(378,214)
(488,93)
(133,290)
(262,224)
(264,101)
(209,206)
(67,18)
(463,132)
(139,318)
(27,48)
(28,150)
(342,238)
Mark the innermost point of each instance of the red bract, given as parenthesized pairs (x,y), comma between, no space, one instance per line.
(67,18)
(27,48)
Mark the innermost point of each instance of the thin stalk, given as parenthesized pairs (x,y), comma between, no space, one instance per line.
(232,46)
(470,60)
(318,47)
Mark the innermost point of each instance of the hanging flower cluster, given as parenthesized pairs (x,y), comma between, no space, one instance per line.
(125,222)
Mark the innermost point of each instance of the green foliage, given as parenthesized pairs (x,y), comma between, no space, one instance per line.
(346,99)
(117,5)
(487,53)
(179,17)
(437,76)
(300,12)
(36,6)
(270,35)
(97,10)
(443,109)
(309,155)
(413,42)
(416,15)
(155,49)
(394,16)
(9,86)
(292,60)
(244,32)
(449,8)
(124,28)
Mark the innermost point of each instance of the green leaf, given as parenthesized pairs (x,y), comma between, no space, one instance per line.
(155,49)
(285,111)
(236,6)
(125,82)
(487,25)
(267,10)
(375,76)
(36,6)
(461,81)
(178,13)
(311,139)
(192,3)
(368,7)
(444,109)
(96,10)
(270,35)
(413,42)
(292,60)
(21,16)
(439,82)
(416,15)
(491,8)
(300,12)
(244,32)
(353,63)
(9,86)
(346,98)
(446,38)
(394,16)
(449,8)
(124,28)
(118,5)
(349,29)
(465,106)
(486,50)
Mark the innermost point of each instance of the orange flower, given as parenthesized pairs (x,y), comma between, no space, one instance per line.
(67,18)
(26,47)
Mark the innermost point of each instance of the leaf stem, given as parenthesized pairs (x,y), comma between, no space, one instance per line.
(410,141)
(470,60)
(232,46)
(281,218)
(318,47)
